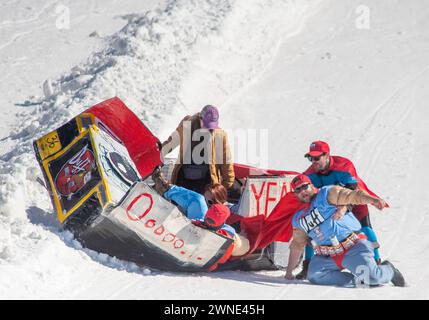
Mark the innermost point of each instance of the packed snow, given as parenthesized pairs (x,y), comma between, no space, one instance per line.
(283,73)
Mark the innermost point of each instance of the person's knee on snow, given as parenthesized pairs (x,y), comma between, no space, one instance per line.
(359,260)
(324,271)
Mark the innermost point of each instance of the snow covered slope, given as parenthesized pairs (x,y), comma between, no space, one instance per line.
(40,40)
(355,76)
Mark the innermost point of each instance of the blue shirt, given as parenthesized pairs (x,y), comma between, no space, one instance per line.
(340,178)
(341,172)
(191,203)
(316,221)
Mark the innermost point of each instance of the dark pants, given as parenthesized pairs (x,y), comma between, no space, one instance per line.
(198,185)
(365,222)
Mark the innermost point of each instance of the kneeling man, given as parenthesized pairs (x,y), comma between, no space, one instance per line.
(335,236)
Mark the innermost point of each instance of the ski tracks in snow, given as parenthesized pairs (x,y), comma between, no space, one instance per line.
(231,60)
(390,140)
(388,120)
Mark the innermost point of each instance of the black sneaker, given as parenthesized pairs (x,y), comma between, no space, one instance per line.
(398,279)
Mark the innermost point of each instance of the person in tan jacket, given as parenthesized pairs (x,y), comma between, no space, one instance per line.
(336,238)
(204,155)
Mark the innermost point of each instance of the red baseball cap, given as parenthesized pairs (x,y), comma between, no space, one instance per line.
(216,215)
(317,148)
(300,180)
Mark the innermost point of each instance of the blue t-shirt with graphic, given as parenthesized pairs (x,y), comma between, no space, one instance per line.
(317,220)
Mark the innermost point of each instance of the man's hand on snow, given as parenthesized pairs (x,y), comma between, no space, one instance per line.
(341,210)
(379,203)
(289,276)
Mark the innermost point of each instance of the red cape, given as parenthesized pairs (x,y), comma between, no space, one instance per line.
(338,163)
(277,227)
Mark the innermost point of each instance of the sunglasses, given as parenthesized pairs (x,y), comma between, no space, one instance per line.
(210,202)
(315,159)
(301,188)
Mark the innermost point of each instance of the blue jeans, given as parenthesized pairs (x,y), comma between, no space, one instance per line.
(359,260)
(191,203)
(367,230)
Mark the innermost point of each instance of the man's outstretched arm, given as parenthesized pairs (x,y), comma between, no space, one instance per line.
(340,196)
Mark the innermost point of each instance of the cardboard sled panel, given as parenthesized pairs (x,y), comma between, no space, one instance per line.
(93,164)
(261,194)
(148,230)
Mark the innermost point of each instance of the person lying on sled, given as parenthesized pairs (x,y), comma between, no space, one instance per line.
(210,215)
(336,238)
(217,194)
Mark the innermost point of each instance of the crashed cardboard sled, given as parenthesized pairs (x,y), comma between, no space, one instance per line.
(94,167)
